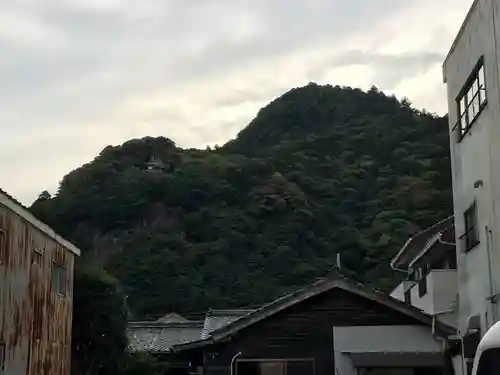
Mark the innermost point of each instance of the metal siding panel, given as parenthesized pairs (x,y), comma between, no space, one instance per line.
(35,323)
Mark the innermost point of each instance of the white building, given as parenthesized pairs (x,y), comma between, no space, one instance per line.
(471,72)
(429,260)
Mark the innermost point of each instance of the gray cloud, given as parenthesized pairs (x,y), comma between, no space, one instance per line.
(390,68)
(78,75)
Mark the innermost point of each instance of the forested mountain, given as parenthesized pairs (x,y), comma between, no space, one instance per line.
(321,170)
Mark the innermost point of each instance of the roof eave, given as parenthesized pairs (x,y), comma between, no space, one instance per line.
(315,289)
(192,345)
(459,34)
(12,205)
(398,261)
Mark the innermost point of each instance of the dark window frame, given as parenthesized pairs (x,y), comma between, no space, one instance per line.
(471,100)
(36,256)
(471,235)
(59,276)
(3,246)
(422,285)
(407,296)
(3,356)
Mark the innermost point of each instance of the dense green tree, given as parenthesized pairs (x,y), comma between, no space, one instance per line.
(99,322)
(321,170)
(141,364)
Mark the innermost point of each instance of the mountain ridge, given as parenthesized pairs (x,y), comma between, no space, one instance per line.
(321,170)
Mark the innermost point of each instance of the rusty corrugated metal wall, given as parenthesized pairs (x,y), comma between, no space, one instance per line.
(35,322)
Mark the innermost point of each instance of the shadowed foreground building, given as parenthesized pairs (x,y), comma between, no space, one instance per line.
(36,294)
(333,326)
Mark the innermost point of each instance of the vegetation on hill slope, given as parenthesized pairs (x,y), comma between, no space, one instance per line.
(320,170)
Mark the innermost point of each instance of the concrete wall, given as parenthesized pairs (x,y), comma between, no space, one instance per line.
(441,292)
(444,290)
(477,158)
(385,339)
(382,342)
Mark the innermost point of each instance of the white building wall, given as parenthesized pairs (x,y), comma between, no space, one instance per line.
(399,291)
(475,159)
(426,302)
(381,340)
(441,293)
(444,291)
(441,298)
(385,339)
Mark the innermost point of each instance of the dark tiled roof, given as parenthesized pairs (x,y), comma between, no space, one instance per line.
(303,294)
(216,319)
(172,318)
(159,337)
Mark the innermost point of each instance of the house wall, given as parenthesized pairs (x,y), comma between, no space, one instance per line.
(302,331)
(400,290)
(443,284)
(441,293)
(35,323)
(476,158)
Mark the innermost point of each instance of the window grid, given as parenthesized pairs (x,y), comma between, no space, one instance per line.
(471,235)
(472,101)
(59,279)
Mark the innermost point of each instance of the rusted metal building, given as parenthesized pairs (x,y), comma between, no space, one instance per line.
(36,294)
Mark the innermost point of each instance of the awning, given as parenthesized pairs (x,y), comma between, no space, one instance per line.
(388,346)
(396,359)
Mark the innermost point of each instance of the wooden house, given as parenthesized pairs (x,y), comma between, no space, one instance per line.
(334,326)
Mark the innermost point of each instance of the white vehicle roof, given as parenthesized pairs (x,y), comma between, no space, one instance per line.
(490,340)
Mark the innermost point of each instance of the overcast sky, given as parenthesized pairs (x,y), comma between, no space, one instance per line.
(78,75)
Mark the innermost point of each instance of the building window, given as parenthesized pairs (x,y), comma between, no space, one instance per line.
(275,367)
(272,368)
(422,282)
(2,356)
(36,257)
(59,279)
(471,235)
(408,297)
(472,99)
(416,275)
(3,246)
(422,286)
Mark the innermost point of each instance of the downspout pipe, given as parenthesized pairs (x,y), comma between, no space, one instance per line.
(442,340)
(492,295)
(232,362)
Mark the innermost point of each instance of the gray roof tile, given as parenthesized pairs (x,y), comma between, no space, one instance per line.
(159,337)
(216,319)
